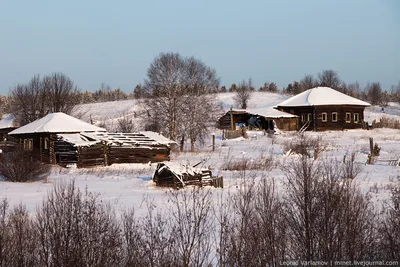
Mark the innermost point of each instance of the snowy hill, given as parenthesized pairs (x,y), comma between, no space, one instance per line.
(110,112)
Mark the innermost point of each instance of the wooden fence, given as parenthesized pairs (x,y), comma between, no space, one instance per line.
(230,134)
(386,123)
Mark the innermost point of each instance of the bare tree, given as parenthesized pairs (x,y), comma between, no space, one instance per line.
(164,91)
(353,89)
(125,124)
(52,93)
(329,78)
(307,82)
(29,101)
(200,107)
(389,226)
(63,95)
(192,225)
(302,188)
(74,229)
(176,91)
(396,92)
(243,94)
(374,93)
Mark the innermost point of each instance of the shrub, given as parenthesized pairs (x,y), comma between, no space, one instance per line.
(263,163)
(305,146)
(21,166)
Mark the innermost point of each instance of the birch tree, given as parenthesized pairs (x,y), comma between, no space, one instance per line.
(177,92)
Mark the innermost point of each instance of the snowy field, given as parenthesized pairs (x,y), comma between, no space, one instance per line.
(126,185)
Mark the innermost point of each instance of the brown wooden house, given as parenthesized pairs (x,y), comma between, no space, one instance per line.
(40,136)
(263,118)
(323,108)
(61,139)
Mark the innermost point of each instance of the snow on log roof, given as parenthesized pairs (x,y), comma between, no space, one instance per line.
(57,123)
(77,139)
(157,137)
(181,169)
(7,121)
(123,139)
(321,96)
(265,112)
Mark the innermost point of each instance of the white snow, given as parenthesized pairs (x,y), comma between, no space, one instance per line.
(7,121)
(77,139)
(266,112)
(57,123)
(320,96)
(157,137)
(125,185)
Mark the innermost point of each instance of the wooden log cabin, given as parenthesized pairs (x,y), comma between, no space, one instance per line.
(323,108)
(40,136)
(61,139)
(267,117)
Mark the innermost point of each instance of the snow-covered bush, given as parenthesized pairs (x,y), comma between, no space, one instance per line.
(22,166)
(305,145)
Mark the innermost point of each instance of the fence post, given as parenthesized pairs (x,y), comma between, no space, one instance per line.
(371,147)
(213,142)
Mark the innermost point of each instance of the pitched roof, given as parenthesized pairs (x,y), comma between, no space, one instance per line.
(7,121)
(57,123)
(265,112)
(321,96)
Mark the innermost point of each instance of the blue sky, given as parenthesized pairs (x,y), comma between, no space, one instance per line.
(95,41)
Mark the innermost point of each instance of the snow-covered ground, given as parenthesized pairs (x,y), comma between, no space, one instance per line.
(125,185)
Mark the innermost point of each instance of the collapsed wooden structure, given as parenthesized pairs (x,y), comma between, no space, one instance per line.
(102,149)
(178,175)
(61,139)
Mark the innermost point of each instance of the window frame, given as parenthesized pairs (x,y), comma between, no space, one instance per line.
(46,143)
(358,117)
(28,144)
(335,113)
(349,120)
(326,116)
(309,117)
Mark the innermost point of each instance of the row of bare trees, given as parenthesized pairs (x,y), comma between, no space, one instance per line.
(103,94)
(313,215)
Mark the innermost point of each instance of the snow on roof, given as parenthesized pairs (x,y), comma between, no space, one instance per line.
(180,169)
(157,137)
(320,96)
(77,139)
(123,139)
(7,121)
(265,112)
(57,123)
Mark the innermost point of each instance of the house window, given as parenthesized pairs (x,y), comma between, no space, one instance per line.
(324,117)
(46,143)
(356,117)
(302,117)
(348,117)
(28,144)
(309,118)
(334,116)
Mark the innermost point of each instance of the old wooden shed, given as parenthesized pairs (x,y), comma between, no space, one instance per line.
(263,118)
